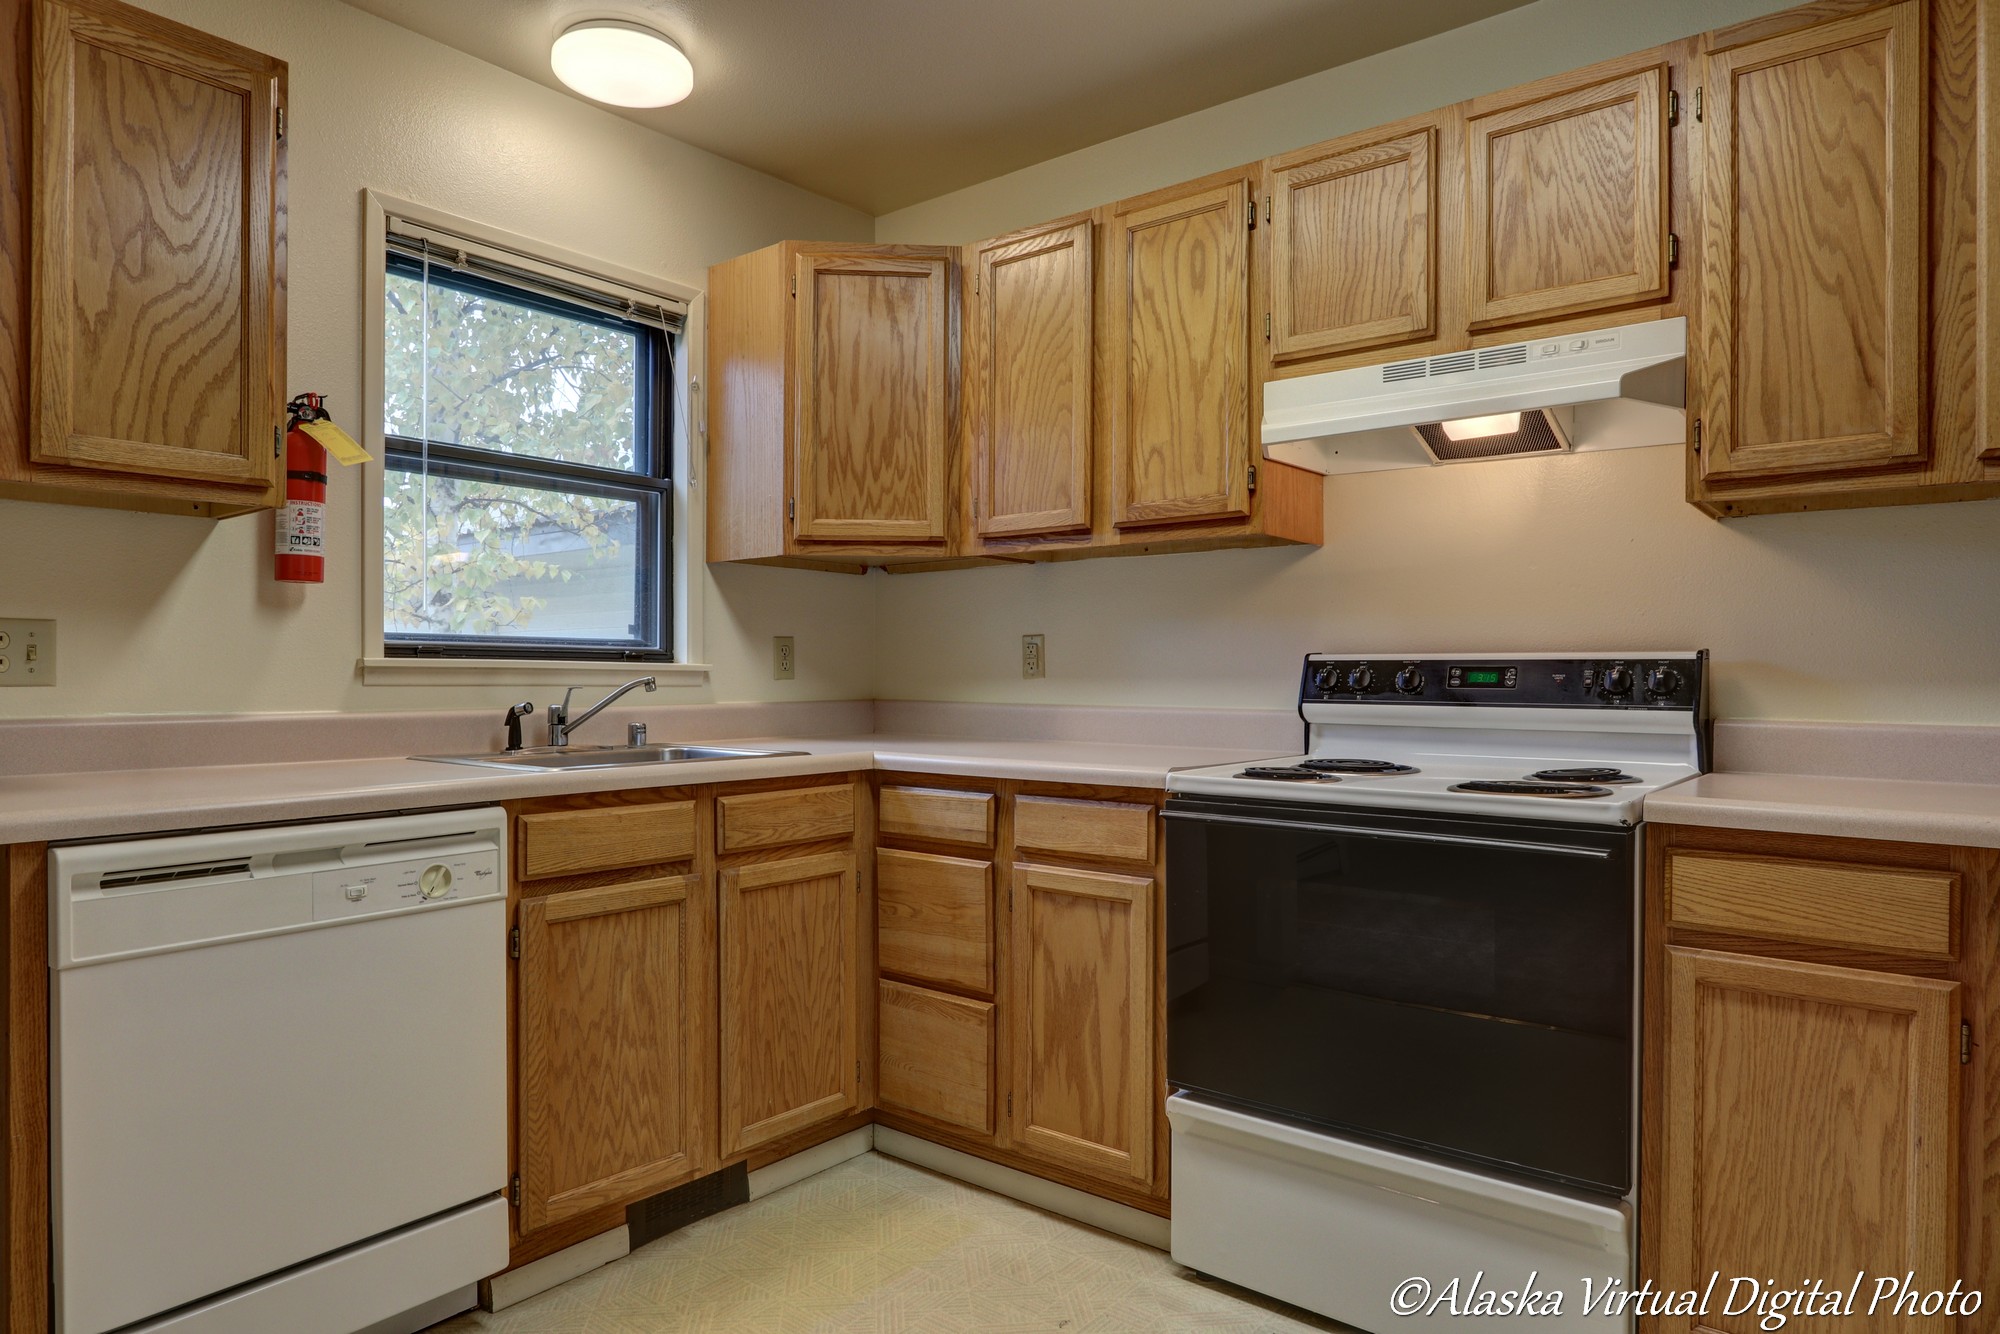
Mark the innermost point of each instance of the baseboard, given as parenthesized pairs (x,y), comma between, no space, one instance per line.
(806,1162)
(538,1276)
(1091,1210)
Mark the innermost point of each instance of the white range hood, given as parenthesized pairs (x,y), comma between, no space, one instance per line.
(1613,389)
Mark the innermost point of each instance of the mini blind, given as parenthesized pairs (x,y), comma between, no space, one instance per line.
(580,287)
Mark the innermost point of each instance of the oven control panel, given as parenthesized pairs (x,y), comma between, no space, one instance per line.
(1657,681)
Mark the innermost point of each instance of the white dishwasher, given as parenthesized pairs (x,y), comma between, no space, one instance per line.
(278,1076)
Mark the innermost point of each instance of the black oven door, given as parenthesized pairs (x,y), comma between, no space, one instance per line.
(1464,986)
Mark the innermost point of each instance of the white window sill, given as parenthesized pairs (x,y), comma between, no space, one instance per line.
(529,671)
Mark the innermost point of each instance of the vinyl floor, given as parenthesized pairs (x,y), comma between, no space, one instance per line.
(876,1246)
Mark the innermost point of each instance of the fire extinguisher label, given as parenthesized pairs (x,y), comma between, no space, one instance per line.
(302,528)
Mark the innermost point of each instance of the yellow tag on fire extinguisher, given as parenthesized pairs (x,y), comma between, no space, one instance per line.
(344,448)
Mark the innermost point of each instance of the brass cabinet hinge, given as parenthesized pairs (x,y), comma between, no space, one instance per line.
(795,284)
(514,1191)
(277,441)
(1965,1042)
(1673,107)
(1010,1104)
(1253,213)
(514,943)
(1253,477)
(792,508)
(1697,105)
(1697,435)
(1267,208)
(281,124)
(1267,324)
(857,1072)
(1673,249)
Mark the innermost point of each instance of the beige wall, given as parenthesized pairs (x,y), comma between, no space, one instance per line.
(168,615)
(1869,615)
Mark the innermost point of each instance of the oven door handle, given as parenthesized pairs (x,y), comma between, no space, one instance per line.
(1353,831)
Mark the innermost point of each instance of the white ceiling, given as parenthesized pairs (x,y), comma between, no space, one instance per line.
(885,103)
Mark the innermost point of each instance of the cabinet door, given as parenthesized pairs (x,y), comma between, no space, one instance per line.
(1813,270)
(156,270)
(1567,201)
(1178,357)
(1082,1020)
(1029,390)
(1354,246)
(871,452)
(1808,1127)
(616,990)
(936,1056)
(790,998)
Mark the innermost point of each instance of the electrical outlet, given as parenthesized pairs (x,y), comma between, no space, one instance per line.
(27,653)
(1034,657)
(784,666)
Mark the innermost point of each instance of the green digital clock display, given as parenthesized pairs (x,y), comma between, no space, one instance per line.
(1482,676)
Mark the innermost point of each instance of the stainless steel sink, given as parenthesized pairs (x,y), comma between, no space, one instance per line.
(551,758)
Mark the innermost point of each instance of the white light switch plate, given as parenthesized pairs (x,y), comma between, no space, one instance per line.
(27,653)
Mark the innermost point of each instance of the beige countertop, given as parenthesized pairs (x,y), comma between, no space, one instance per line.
(1959,814)
(37,808)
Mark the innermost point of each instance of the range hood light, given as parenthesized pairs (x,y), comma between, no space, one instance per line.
(1482,428)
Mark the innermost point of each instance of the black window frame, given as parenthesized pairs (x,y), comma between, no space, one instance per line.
(651,483)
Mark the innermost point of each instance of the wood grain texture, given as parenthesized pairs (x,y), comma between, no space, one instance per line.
(1814,251)
(1984,113)
(872,451)
(1979,1213)
(1810,1127)
(773,819)
(1567,201)
(612,983)
(934,919)
(1067,827)
(1176,353)
(790,997)
(1029,384)
(155,211)
(747,364)
(24,1098)
(937,1056)
(1887,909)
(939,815)
(1081,1011)
(15,68)
(1353,245)
(552,843)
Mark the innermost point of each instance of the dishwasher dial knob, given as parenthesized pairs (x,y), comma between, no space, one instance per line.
(435,882)
(1662,683)
(1617,682)
(1362,679)
(1410,680)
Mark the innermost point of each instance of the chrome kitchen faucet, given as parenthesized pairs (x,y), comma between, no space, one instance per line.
(560,722)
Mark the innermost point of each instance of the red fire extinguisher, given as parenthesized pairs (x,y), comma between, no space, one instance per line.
(302,521)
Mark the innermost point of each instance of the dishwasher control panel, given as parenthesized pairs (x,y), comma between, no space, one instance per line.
(362,891)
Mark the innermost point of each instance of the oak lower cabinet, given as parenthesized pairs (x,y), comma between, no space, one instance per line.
(142,282)
(1818,1102)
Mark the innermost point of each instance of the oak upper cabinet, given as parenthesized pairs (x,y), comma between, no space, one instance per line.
(1354,240)
(1176,354)
(831,391)
(1567,196)
(1029,381)
(154,347)
(1808,1126)
(1814,268)
(791,978)
(616,1081)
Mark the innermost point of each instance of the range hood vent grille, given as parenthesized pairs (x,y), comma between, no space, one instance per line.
(1454,363)
(1539,434)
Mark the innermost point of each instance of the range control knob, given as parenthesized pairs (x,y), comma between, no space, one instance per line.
(1617,682)
(1410,680)
(1662,683)
(435,882)
(1361,679)
(1326,678)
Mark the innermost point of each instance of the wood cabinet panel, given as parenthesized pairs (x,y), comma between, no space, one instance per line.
(156,250)
(1814,253)
(937,1056)
(871,452)
(1567,202)
(1029,377)
(935,919)
(790,996)
(939,814)
(615,989)
(555,843)
(1081,1020)
(1176,349)
(772,819)
(1808,1127)
(1887,909)
(1354,245)
(1067,827)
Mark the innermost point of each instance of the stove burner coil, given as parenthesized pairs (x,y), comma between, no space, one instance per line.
(1371,767)
(1288,774)
(1594,775)
(1522,788)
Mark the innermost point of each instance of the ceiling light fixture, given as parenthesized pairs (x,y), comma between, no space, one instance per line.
(623,64)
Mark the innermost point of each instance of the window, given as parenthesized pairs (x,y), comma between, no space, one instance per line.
(527,505)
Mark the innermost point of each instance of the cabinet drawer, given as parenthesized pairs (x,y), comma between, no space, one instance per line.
(1896,910)
(943,815)
(935,918)
(772,819)
(1067,827)
(570,842)
(936,1056)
